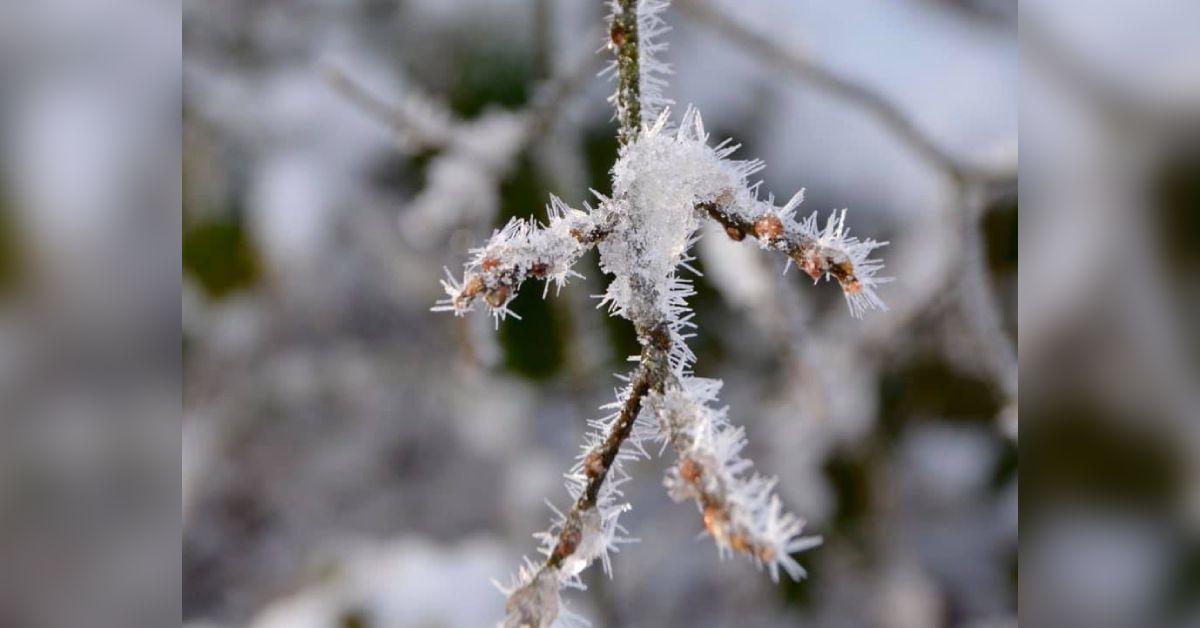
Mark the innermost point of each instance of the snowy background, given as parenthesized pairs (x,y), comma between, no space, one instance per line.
(352,459)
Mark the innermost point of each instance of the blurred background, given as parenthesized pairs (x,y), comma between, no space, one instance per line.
(350,459)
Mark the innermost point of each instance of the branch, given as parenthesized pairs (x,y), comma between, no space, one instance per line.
(522,250)
(596,466)
(979,305)
(623,39)
(741,513)
(407,118)
(809,70)
(411,119)
(826,253)
(588,530)
(643,234)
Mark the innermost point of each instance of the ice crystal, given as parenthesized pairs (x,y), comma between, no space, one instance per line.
(740,511)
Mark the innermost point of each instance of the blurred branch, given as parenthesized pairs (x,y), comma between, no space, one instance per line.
(552,95)
(978,300)
(401,119)
(547,103)
(993,13)
(807,69)
(543,40)
(1107,96)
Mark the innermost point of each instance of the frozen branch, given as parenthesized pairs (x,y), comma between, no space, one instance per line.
(829,252)
(666,182)
(623,39)
(740,513)
(519,251)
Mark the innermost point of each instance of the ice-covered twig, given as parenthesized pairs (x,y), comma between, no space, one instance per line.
(826,252)
(739,509)
(521,250)
(589,530)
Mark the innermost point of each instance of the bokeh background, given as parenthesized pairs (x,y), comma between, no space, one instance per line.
(350,459)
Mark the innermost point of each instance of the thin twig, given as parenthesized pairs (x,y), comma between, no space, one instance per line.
(394,117)
(597,465)
(543,109)
(979,304)
(624,37)
(804,251)
(811,71)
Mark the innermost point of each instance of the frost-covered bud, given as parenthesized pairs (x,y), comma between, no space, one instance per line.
(768,228)
(715,521)
(520,250)
(498,297)
(690,471)
(534,605)
(593,465)
(586,541)
(811,262)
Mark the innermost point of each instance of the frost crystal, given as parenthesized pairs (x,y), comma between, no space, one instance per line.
(740,512)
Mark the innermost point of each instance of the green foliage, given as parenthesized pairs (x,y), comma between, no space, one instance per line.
(493,75)
(220,256)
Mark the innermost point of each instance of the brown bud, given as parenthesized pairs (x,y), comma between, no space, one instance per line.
(473,286)
(690,471)
(768,228)
(489,264)
(497,297)
(593,465)
(740,543)
(660,338)
(568,541)
(811,262)
(735,234)
(617,34)
(765,554)
(715,520)
(539,269)
(844,272)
